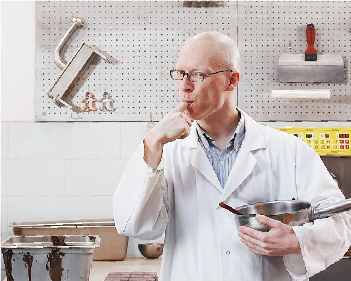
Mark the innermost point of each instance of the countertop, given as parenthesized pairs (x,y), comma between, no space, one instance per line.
(101,269)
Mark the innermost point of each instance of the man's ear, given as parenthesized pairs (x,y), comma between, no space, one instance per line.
(234,80)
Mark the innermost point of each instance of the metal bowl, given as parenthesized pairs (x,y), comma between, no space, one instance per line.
(151,250)
(287,212)
(251,222)
(291,212)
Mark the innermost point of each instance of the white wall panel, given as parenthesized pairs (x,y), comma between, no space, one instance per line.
(36,208)
(17,60)
(92,177)
(64,140)
(4,221)
(32,177)
(131,136)
(4,140)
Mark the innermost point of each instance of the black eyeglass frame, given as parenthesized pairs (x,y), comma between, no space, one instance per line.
(201,74)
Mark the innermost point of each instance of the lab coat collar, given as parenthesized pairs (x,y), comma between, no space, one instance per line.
(192,140)
(199,158)
(253,135)
(246,160)
(244,164)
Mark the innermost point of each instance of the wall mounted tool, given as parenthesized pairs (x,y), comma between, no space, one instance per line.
(73,70)
(311,52)
(328,68)
(76,23)
(301,94)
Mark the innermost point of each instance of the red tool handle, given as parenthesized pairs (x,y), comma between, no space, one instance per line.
(310,36)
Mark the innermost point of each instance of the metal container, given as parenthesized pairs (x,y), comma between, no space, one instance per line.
(151,250)
(292,212)
(49,258)
(113,245)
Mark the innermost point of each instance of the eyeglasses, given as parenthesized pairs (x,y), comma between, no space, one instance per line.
(192,76)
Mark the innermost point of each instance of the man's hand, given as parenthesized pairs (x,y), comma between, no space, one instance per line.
(280,240)
(175,125)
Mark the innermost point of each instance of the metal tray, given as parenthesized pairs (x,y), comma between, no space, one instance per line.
(113,245)
(49,258)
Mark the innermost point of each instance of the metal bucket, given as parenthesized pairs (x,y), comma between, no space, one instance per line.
(49,258)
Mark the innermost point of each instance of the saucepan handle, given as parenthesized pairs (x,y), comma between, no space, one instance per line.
(339,207)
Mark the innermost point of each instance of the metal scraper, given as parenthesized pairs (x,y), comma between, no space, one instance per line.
(306,68)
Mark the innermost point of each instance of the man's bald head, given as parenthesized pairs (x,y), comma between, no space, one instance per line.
(226,52)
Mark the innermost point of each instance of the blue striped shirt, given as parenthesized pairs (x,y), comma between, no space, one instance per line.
(222,161)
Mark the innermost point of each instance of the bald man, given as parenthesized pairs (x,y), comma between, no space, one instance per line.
(181,172)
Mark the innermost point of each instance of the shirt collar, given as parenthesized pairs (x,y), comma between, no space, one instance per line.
(235,140)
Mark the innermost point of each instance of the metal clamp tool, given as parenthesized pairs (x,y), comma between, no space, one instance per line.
(75,68)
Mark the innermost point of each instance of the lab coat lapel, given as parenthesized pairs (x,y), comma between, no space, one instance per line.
(199,159)
(246,160)
(203,165)
(242,168)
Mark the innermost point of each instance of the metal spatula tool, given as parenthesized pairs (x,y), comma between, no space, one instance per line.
(310,67)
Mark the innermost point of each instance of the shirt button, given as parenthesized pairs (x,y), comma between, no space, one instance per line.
(227,252)
(222,163)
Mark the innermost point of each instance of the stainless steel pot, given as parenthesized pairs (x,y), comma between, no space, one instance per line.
(294,212)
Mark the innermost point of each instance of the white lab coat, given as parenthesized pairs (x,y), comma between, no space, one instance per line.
(181,197)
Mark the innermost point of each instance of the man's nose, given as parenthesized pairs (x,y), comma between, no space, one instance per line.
(186,85)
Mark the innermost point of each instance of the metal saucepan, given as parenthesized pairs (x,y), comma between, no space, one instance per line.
(294,212)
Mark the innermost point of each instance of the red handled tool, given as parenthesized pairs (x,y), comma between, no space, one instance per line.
(230,209)
(311,52)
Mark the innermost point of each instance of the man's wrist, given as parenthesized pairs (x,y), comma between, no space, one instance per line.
(152,153)
(152,144)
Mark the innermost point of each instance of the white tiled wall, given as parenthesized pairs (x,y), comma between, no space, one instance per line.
(17,60)
(55,171)
(131,134)
(4,220)
(63,170)
(27,208)
(64,140)
(32,177)
(92,177)
(4,141)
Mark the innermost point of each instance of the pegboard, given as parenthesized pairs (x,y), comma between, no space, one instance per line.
(268,29)
(143,37)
